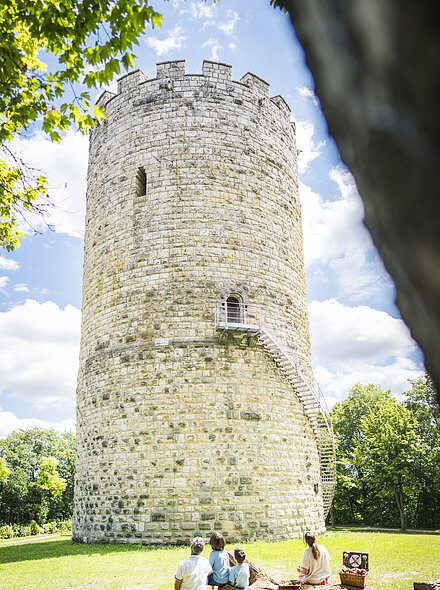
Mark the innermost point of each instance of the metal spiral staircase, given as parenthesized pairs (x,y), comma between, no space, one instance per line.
(239,317)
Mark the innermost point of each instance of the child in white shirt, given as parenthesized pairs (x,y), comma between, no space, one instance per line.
(240,573)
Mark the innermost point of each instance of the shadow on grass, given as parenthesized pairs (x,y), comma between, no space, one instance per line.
(63,548)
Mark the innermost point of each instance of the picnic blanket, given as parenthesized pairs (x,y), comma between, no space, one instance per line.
(260,580)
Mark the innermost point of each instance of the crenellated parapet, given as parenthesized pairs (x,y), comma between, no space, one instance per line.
(216,78)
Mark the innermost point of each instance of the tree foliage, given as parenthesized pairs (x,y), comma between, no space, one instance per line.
(391,451)
(421,401)
(352,496)
(5,472)
(45,49)
(49,479)
(41,466)
(282,4)
(388,457)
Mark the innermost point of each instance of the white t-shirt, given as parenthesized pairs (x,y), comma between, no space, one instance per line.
(319,569)
(193,572)
(239,575)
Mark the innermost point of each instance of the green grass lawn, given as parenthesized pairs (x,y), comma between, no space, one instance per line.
(396,561)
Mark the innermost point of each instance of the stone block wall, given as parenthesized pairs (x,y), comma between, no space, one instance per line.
(182,430)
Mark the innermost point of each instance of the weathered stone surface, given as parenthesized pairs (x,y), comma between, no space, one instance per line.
(181,431)
(377,76)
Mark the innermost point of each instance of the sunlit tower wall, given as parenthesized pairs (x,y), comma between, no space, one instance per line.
(185,421)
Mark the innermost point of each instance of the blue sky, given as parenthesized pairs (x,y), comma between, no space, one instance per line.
(357,333)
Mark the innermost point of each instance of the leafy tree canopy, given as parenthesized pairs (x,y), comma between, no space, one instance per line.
(49,479)
(40,484)
(351,495)
(421,399)
(388,457)
(347,415)
(391,451)
(46,47)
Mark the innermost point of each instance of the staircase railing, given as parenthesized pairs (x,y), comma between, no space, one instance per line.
(244,318)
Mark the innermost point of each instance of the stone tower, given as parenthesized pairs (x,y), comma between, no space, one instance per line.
(190,415)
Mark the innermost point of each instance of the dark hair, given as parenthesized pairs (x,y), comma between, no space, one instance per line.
(310,539)
(239,555)
(217,541)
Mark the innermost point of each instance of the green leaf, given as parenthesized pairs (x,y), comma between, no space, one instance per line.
(62,30)
(99,113)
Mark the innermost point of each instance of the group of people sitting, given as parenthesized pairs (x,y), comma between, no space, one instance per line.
(196,572)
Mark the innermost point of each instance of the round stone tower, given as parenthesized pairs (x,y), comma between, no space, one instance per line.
(190,416)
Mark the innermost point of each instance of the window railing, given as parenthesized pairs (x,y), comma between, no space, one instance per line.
(231,313)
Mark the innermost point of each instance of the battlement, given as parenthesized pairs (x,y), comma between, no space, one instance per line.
(217,70)
(131,80)
(170,69)
(172,76)
(103,98)
(257,84)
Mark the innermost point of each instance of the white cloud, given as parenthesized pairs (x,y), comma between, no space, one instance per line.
(214,45)
(357,278)
(336,240)
(330,227)
(8,264)
(308,93)
(345,181)
(359,345)
(65,165)
(175,40)
(307,148)
(203,11)
(9,422)
(229,25)
(232,46)
(3,282)
(40,350)
(305,91)
(21,288)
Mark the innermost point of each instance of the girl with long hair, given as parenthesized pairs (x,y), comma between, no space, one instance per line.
(315,564)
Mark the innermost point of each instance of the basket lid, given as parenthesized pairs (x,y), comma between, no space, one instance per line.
(355,559)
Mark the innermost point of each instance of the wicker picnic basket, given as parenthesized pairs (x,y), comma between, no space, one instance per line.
(356,580)
(354,560)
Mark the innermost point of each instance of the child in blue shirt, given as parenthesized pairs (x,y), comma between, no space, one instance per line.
(219,560)
(240,573)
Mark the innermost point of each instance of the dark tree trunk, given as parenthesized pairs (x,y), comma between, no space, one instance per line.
(377,72)
(399,501)
(332,517)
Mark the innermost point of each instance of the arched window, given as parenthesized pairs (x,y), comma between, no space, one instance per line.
(234,310)
(141,182)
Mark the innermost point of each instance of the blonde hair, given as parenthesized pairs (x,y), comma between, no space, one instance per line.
(310,539)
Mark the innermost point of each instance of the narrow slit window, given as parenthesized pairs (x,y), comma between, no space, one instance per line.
(141,182)
(234,310)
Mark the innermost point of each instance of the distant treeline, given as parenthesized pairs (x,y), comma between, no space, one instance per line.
(388,458)
(36,481)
